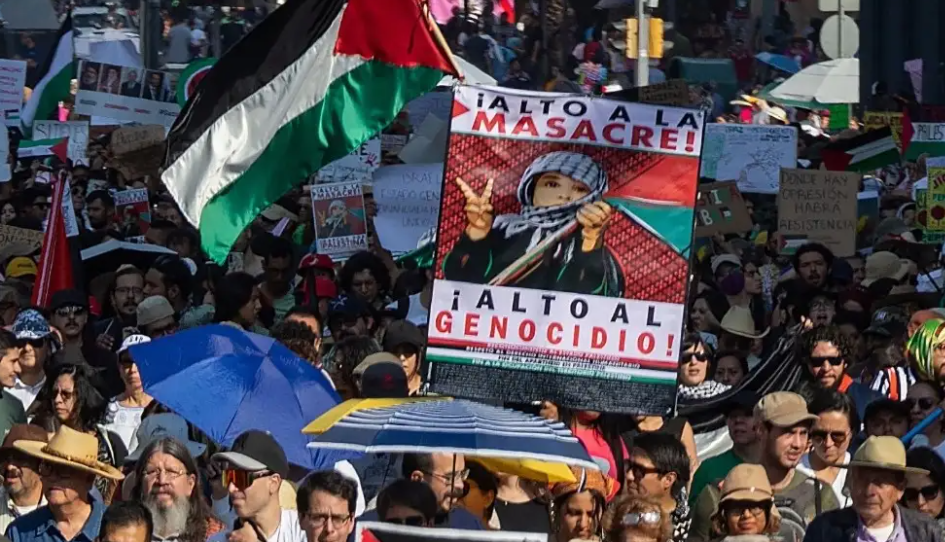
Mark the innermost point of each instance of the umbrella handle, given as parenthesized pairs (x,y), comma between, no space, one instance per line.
(929,420)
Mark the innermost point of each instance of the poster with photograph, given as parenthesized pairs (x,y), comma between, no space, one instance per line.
(565,229)
(132,211)
(338,212)
(126,93)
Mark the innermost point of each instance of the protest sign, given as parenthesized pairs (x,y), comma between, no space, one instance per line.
(11,234)
(132,212)
(371,531)
(76,130)
(753,155)
(819,206)
(436,103)
(927,138)
(720,208)
(126,93)
(562,250)
(874,120)
(6,174)
(134,138)
(935,197)
(673,92)
(338,212)
(358,166)
(408,203)
(393,143)
(12,81)
(68,211)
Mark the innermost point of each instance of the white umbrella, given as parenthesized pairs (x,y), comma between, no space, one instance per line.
(473,75)
(831,82)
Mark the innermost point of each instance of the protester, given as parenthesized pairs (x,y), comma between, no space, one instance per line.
(22,487)
(276,290)
(326,503)
(170,277)
(124,412)
(480,492)
(578,508)
(812,263)
(886,418)
(156,317)
(407,502)
(406,341)
(926,492)
(740,422)
(836,425)
(36,346)
(125,293)
(11,409)
(658,469)
(126,522)
(633,519)
(730,368)
(828,353)
(694,382)
(746,504)
(238,301)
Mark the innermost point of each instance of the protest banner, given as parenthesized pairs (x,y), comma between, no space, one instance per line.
(408,204)
(338,212)
(372,531)
(562,250)
(927,138)
(874,120)
(819,206)
(76,130)
(132,211)
(358,166)
(12,81)
(11,234)
(134,138)
(752,155)
(935,197)
(720,208)
(126,93)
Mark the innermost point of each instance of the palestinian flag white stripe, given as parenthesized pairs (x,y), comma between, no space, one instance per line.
(874,149)
(927,138)
(55,77)
(34,148)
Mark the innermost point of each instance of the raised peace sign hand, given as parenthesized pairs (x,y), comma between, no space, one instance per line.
(478,210)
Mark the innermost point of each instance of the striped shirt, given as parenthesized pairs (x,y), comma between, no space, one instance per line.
(894,382)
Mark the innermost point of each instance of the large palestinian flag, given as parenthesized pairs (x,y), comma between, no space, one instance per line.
(863,153)
(55,76)
(307,86)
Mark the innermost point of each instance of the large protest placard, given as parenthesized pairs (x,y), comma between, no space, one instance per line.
(874,120)
(12,81)
(408,204)
(340,225)
(134,138)
(11,234)
(372,531)
(132,211)
(562,250)
(927,138)
(76,130)
(721,209)
(752,155)
(819,206)
(359,165)
(126,93)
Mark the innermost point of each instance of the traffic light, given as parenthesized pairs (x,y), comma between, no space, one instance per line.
(629,28)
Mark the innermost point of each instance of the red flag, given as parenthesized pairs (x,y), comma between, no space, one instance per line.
(906,130)
(55,261)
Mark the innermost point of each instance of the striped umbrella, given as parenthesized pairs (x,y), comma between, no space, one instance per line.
(458,426)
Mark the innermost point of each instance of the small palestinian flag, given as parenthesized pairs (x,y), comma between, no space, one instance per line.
(867,152)
(38,148)
(307,86)
(55,76)
(923,138)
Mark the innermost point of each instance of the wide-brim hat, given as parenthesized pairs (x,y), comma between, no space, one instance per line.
(73,449)
(887,453)
(738,321)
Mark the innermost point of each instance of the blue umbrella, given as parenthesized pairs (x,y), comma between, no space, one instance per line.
(779,62)
(226,381)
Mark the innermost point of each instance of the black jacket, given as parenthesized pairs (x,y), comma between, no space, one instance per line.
(840,526)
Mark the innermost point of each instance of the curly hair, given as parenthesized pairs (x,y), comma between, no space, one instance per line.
(614,529)
(365,261)
(297,337)
(825,334)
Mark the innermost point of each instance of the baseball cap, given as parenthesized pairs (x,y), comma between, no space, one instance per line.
(887,322)
(256,450)
(783,409)
(68,298)
(383,381)
(402,332)
(316,261)
(132,340)
(154,308)
(725,258)
(21,266)
(158,426)
(30,325)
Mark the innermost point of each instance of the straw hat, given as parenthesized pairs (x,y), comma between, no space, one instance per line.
(883,453)
(586,480)
(738,321)
(72,449)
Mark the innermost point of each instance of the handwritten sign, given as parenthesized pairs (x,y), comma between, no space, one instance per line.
(12,80)
(134,138)
(819,206)
(436,103)
(721,209)
(753,155)
(408,204)
(358,166)
(675,92)
(76,130)
(874,120)
(10,235)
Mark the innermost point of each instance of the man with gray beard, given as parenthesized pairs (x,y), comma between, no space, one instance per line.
(22,487)
(168,484)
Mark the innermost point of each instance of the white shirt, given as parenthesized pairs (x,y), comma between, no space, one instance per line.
(839,483)
(26,393)
(883,533)
(124,422)
(289,530)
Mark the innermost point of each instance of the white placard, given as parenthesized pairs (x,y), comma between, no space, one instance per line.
(76,130)
(753,155)
(12,80)
(358,166)
(408,204)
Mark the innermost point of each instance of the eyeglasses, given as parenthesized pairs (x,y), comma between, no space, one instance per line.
(242,479)
(701,357)
(640,471)
(162,331)
(67,395)
(450,477)
(820,437)
(637,518)
(66,312)
(928,493)
(925,403)
(817,361)
(126,291)
(737,510)
(412,521)
(320,520)
(51,469)
(169,475)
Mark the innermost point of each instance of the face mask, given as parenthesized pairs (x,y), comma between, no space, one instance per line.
(733,284)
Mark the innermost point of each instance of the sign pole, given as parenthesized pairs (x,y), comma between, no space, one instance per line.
(643,45)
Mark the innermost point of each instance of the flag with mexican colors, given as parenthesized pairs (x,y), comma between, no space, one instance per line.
(37,148)
(55,76)
(307,86)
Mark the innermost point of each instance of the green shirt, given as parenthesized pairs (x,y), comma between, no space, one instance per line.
(11,412)
(712,471)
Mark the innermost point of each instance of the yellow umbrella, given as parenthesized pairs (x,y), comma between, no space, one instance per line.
(338,412)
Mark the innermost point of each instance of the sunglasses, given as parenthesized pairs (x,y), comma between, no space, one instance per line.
(35,343)
(639,471)
(928,493)
(817,361)
(701,357)
(820,437)
(925,403)
(67,312)
(412,521)
(242,479)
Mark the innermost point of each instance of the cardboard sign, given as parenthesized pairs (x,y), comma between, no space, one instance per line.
(751,154)
(340,225)
(408,204)
(721,209)
(370,531)
(140,163)
(126,93)
(76,130)
(675,92)
(134,138)
(874,120)
(358,166)
(819,206)
(12,80)
(11,234)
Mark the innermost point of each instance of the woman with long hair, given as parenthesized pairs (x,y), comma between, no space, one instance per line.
(694,376)
(599,433)
(926,492)
(578,507)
